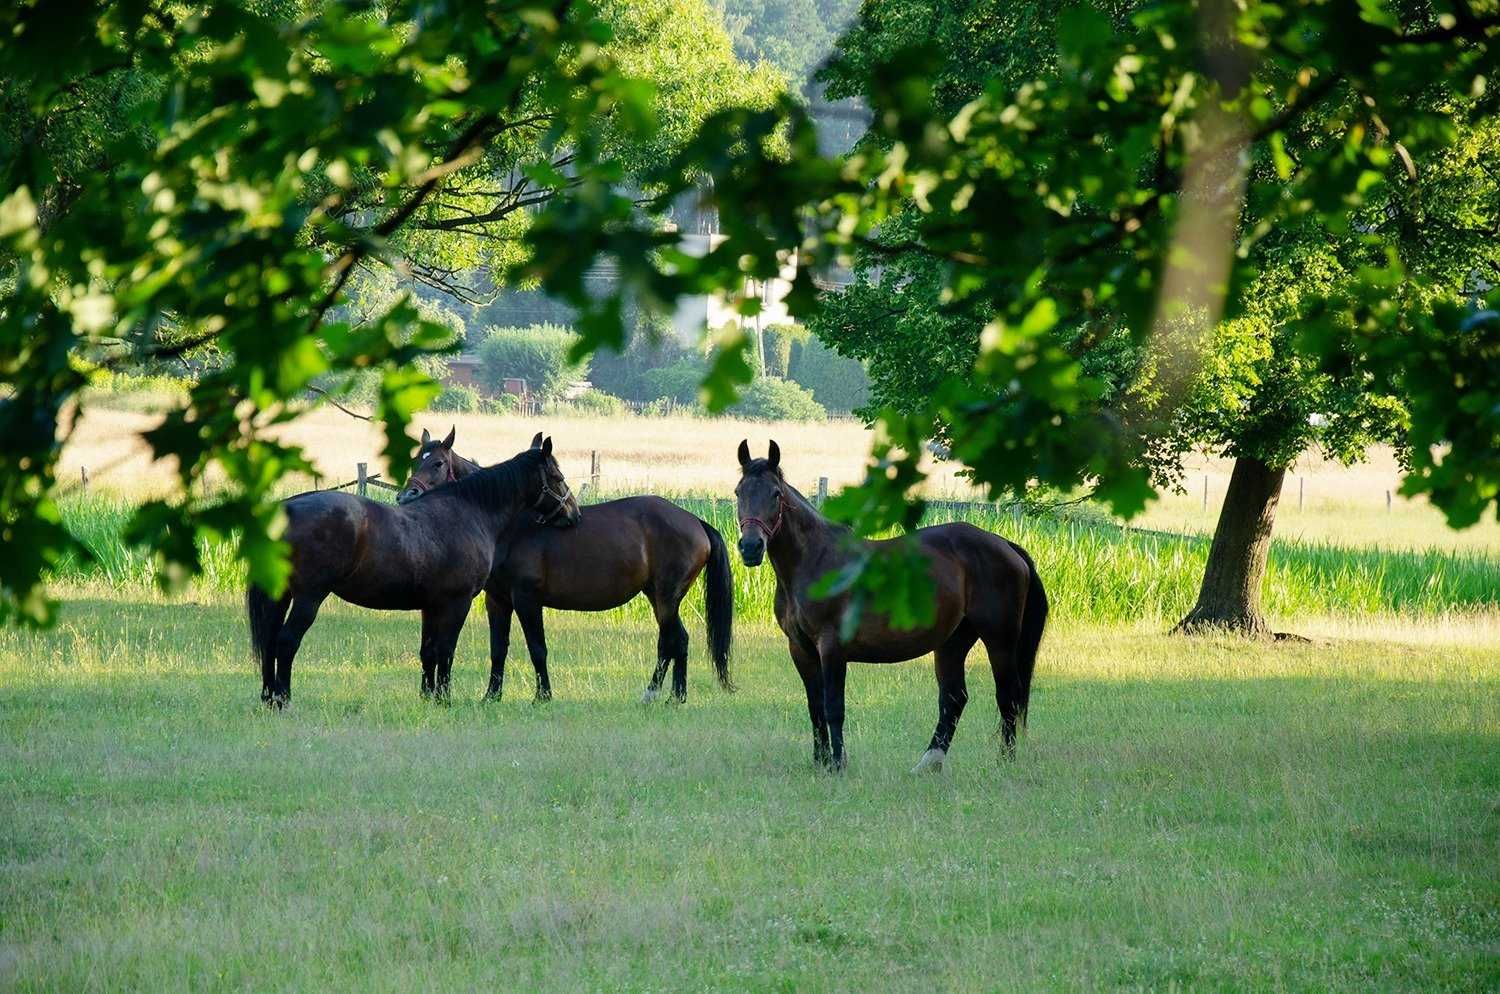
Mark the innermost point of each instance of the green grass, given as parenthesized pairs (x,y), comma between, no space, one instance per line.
(1184,814)
(1092,569)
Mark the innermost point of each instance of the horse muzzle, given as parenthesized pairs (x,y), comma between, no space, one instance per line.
(752,550)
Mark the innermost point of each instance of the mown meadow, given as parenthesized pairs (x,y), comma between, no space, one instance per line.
(1183,814)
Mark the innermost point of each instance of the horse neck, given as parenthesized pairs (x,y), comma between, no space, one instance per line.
(802,533)
(464,467)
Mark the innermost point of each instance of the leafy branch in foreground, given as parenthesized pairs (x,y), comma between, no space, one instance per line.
(243,183)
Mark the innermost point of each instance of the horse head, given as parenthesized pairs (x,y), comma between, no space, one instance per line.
(760,500)
(435,464)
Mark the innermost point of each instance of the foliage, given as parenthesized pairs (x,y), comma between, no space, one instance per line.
(794,35)
(590,402)
(456,397)
(678,382)
(770,398)
(778,341)
(837,382)
(208,185)
(1222,140)
(652,344)
(539,355)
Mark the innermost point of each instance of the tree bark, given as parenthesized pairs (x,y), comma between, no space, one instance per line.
(1230,596)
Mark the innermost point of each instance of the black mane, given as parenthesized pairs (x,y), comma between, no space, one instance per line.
(495,487)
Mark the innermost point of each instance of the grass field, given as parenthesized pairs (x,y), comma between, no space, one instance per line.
(1183,814)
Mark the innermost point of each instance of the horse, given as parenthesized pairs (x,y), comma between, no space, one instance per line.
(987,590)
(433,557)
(620,548)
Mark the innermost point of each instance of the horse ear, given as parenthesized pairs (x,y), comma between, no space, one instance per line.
(774,459)
(536,440)
(744,452)
(426,436)
(547,447)
(448,442)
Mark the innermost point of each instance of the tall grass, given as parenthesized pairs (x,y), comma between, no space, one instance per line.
(1094,571)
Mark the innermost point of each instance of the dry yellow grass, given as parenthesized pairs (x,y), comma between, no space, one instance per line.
(1343,505)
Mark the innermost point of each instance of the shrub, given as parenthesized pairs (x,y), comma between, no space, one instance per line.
(595,402)
(456,397)
(678,382)
(779,340)
(773,399)
(538,355)
(505,403)
(838,382)
(652,345)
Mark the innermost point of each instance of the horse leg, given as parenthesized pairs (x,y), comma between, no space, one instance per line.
(1001,648)
(653,688)
(498,609)
(450,623)
(529,609)
(953,694)
(671,646)
(429,651)
(304,612)
(834,666)
(811,672)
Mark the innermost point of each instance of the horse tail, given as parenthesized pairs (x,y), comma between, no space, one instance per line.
(1033,622)
(718,603)
(266,614)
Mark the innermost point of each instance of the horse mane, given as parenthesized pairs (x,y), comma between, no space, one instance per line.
(494,486)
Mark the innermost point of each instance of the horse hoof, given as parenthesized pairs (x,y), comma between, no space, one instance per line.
(650,696)
(931,762)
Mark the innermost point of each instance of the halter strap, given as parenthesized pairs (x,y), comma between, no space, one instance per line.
(779,517)
(559,505)
(422,487)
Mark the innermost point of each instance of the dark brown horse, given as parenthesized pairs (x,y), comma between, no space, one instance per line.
(432,557)
(987,591)
(618,549)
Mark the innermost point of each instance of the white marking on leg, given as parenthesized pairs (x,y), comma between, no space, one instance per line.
(650,696)
(931,762)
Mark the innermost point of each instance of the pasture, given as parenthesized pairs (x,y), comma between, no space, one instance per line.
(1195,814)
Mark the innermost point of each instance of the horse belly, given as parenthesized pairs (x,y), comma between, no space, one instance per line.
(598,589)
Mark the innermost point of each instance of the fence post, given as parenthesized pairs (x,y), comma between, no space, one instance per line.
(822,490)
(1387,502)
(360,478)
(1205,491)
(1301,490)
(83,477)
(594,472)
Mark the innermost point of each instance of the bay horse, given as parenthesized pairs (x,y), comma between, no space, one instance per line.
(616,550)
(987,590)
(433,557)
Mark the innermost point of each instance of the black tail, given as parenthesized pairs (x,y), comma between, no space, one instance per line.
(266,617)
(718,603)
(1033,622)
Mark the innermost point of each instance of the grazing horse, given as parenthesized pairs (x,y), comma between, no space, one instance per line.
(433,557)
(617,550)
(987,590)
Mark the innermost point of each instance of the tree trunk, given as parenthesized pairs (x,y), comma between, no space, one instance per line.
(1230,595)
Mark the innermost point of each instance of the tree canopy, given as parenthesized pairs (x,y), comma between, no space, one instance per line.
(1123,203)
(178,179)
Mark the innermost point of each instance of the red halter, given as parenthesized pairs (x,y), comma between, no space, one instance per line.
(769,530)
